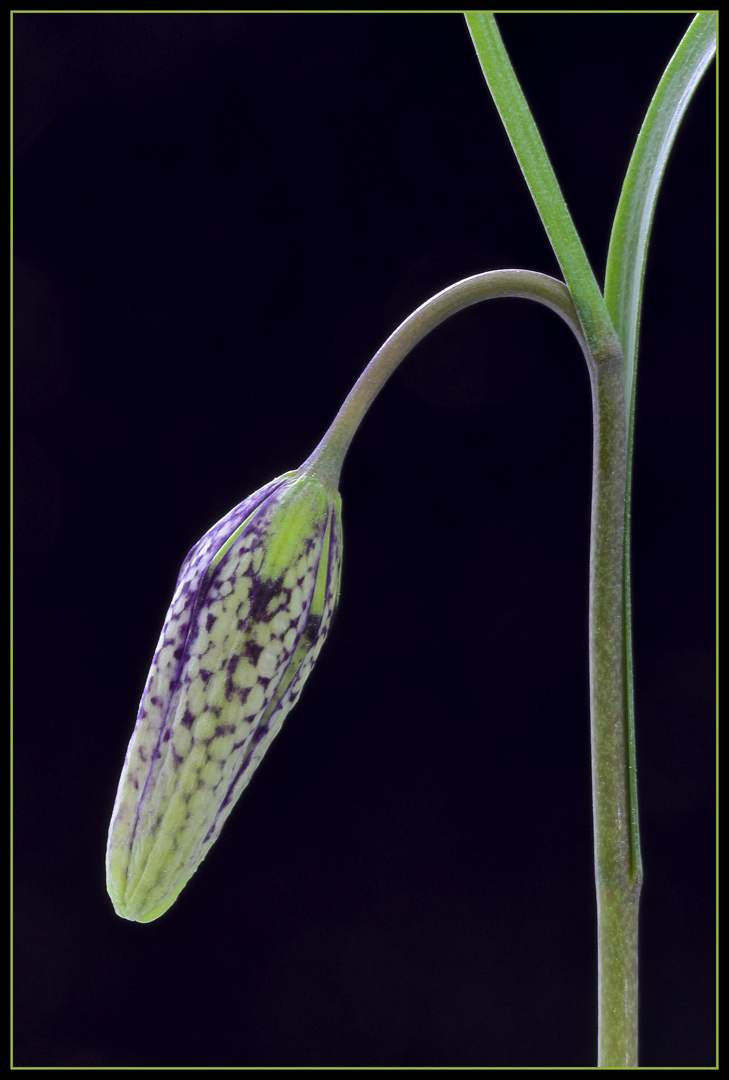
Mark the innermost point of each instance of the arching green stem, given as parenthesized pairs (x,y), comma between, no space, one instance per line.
(617,882)
(329,455)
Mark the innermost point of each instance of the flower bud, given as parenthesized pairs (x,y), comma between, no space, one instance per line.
(253,603)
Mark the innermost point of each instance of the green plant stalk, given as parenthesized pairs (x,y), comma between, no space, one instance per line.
(615,824)
(617,886)
(617,848)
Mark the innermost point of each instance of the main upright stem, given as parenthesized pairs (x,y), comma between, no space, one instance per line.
(617,865)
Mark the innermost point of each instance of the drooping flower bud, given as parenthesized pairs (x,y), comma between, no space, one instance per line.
(252,606)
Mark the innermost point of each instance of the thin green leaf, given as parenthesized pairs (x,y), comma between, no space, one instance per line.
(539,175)
(634,216)
(624,290)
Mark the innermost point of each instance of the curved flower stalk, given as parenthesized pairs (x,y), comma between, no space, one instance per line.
(252,606)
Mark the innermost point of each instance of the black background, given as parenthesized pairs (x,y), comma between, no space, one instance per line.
(218,219)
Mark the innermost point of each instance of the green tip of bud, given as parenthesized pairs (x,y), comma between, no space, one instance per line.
(252,606)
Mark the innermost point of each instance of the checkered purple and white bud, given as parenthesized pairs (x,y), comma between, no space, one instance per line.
(252,606)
